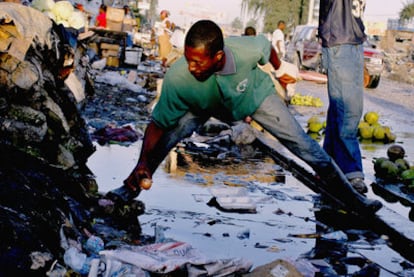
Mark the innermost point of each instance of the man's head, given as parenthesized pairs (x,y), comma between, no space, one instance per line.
(102,8)
(281,25)
(164,14)
(249,31)
(204,49)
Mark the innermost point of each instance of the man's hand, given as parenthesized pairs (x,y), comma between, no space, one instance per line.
(287,73)
(140,177)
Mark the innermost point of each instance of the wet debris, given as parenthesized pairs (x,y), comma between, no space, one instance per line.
(49,204)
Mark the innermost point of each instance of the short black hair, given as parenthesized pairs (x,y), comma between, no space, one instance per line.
(205,33)
(249,31)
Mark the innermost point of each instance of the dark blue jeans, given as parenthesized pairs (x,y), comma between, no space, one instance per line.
(344,65)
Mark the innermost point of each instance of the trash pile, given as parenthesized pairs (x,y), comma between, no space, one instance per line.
(50,208)
(53,221)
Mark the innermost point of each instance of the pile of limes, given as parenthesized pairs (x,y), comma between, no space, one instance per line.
(395,167)
(370,129)
(315,126)
(306,100)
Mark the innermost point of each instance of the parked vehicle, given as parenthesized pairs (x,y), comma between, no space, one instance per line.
(305,50)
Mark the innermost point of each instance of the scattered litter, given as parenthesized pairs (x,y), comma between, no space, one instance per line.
(109,134)
(244,234)
(167,257)
(232,199)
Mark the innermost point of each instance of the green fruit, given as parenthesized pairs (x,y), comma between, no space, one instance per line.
(317,102)
(387,129)
(378,133)
(388,170)
(315,127)
(313,119)
(402,164)
(315,136)
(363,124)
(390,137)
(377,163)
(371,117)
(407,175)
(395,152)
(376,124)
(366,132)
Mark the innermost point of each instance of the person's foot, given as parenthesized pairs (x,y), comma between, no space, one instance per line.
(122,194)
(359,185)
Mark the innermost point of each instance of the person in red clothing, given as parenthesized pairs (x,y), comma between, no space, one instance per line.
(101,17)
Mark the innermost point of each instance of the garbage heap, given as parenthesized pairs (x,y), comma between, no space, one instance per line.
(48,196)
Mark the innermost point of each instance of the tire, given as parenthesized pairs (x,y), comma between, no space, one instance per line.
(319,68)
(373,81)
(366,77)
(297,61)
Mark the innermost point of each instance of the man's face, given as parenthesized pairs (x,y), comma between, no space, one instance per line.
(200,64)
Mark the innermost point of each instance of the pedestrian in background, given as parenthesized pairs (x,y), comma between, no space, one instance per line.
(342,33)
(287,92)
(278,39)
(249,31)
(101,17)
(163,31)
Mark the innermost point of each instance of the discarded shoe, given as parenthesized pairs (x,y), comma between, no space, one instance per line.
(359,185)
(123,194)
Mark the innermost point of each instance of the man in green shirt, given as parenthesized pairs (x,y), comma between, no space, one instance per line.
(222,79)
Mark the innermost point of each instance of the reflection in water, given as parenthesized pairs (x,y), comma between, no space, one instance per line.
(344,252)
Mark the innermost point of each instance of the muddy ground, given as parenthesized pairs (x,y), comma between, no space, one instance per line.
(285,217)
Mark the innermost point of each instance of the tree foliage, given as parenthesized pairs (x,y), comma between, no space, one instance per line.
(293,12)
(407,13)
(251,22)
(237,24)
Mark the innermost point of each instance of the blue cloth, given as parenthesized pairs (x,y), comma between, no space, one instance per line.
(344,65)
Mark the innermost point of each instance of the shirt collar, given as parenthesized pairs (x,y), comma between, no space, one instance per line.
(230,65)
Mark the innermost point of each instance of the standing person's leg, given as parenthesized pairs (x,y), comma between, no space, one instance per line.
(165,46)
(275,117)
(344,66)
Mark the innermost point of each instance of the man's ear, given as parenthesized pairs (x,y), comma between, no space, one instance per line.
(219,55)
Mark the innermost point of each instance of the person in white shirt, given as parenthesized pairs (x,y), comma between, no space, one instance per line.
(163,31)
(278,39)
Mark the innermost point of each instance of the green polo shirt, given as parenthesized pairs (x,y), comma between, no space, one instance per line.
(240,87)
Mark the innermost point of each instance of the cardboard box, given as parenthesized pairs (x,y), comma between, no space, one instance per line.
(112,61)
(128,24)
(110,46)
(114,25)
(115,14)
(109,53)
